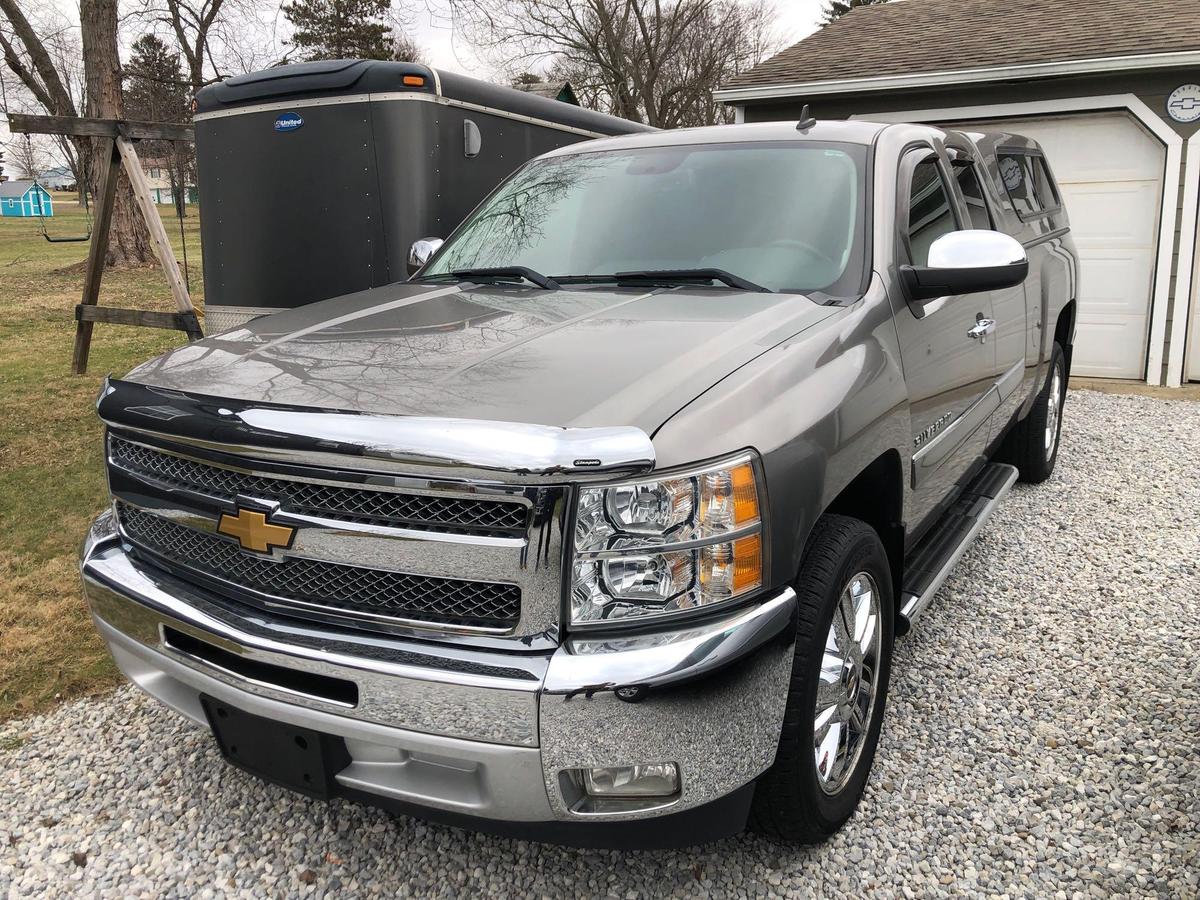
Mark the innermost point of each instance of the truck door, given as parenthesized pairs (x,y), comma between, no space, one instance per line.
(1010,305)
(946,346)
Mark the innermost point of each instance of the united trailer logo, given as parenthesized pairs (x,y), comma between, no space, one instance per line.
(288,121)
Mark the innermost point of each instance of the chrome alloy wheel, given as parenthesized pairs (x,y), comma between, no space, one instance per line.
(848,680)
(1053,411)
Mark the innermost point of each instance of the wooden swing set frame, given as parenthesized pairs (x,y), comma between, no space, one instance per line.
(115,144)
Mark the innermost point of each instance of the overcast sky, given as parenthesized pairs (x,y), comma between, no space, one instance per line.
(796,19)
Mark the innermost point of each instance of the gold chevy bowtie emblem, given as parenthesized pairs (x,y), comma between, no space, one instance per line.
(254,532)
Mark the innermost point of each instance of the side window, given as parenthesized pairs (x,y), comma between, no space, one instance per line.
(1028,183)
(972,191)
(930,213)
(1043,184)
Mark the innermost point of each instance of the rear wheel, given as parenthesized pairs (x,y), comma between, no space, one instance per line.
(1032,445)
(839,685)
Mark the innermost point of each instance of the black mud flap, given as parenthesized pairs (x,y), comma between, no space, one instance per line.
(296,758)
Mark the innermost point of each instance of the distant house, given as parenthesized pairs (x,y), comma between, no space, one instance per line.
(25,199)
(57,179)
(551,89)
(158,174)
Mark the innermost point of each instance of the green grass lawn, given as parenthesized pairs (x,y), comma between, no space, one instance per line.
(51,475)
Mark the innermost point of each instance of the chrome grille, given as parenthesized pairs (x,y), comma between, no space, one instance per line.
(334,587)
(347,504)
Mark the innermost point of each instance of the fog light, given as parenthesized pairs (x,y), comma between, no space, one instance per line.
(653,780)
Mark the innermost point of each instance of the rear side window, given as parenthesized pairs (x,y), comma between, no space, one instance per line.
(972,191)
(930,214)
(1043,184)
(1028,182)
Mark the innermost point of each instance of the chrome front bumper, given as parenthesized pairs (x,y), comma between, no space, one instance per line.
(480,733)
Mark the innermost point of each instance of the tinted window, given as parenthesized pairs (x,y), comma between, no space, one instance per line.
(1028,183)
(1043,184)
(930,214)
(786,216)
(972,191)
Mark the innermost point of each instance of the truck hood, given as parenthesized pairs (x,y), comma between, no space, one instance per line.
(588,357)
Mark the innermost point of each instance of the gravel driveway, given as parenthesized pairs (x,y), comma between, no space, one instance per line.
(1041,740)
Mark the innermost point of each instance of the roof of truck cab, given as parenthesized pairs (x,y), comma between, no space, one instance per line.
(842,132)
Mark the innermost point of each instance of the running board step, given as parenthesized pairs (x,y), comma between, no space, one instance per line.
(932,561)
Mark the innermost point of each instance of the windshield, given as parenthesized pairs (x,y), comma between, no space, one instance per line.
(787,216)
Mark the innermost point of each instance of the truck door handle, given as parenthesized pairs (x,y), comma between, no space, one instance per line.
(983,327)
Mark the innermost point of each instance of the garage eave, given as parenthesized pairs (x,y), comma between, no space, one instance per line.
(1141,62)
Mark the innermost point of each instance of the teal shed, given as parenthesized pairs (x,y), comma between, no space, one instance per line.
(25,199)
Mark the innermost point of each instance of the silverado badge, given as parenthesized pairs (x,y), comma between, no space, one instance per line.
(927,434)
(254,532)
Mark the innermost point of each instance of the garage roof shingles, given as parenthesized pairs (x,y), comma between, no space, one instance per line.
(906,37)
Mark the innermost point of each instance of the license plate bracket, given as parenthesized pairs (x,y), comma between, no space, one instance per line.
(299,759)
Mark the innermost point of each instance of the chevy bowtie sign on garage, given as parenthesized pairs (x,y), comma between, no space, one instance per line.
(1184,103)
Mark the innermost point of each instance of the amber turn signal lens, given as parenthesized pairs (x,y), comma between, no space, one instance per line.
(747,563)
(745,496)
(414,80)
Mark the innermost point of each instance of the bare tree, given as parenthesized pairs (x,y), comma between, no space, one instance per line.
(216,38)
(654,61)
(128,241)
(28,160)
(835,9)
(29,86)
(192,22)
(191,25)
(39,64)
(406,49)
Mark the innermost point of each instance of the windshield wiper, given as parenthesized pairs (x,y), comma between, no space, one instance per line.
(507,273)
(670,276)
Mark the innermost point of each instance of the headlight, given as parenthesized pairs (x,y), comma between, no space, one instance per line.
(655,547)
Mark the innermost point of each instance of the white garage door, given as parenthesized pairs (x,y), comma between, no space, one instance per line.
(1111,172)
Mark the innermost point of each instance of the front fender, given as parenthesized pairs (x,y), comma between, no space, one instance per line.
(819,408)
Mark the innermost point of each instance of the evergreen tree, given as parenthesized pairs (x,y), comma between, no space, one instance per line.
(341,29)
(156,91)
(835,9)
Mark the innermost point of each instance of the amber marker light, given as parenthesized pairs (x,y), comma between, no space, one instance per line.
(747,563)
(414,80)
(745,496)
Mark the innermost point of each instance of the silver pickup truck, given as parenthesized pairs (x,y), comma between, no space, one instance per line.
(599,529)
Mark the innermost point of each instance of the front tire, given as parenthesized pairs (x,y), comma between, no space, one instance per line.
(1032,445)
(839,685)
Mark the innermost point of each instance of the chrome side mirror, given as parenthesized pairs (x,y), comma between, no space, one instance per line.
(421,251)
(967,262)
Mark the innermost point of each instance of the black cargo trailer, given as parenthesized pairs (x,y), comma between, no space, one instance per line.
(315,179)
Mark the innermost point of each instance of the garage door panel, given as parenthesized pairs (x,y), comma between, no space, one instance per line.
(1111,277)
(1120,214)
(1108,346)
